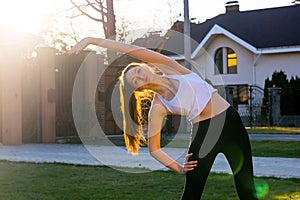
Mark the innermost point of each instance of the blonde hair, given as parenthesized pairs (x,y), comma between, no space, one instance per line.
(134,111)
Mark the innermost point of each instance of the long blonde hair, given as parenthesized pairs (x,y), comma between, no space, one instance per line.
(133,111)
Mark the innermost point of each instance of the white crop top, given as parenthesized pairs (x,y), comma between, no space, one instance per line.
(192,96)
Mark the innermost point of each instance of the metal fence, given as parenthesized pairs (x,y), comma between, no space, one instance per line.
(251,112)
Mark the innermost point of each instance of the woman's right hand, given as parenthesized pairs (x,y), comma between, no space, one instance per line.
(82,44)
(188,165)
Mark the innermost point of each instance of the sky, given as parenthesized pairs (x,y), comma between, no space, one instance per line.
(28,15)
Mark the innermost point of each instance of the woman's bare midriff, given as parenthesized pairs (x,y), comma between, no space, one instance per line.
(215,106)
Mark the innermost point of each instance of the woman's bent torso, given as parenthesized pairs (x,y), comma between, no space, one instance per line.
(215,106)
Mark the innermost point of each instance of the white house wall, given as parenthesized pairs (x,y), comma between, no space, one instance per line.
(267,64)
(252,69)
(244,63)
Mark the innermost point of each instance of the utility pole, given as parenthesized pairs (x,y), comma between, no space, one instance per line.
(187,35)
(187,49)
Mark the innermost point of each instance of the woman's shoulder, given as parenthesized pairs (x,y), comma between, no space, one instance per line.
(156,101)
(158,105)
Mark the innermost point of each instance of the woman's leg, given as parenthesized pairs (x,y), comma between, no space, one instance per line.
(236,147)
(233,142)
(196,179)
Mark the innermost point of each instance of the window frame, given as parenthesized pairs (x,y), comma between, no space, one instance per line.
(222,60)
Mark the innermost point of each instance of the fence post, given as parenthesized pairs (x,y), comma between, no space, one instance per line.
(91,75)
(274,105)
(229,94)
(10,67)
(46,61)
(251,105)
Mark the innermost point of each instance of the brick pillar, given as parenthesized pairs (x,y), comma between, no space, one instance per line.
(11,99)
(46,62)
(274,105)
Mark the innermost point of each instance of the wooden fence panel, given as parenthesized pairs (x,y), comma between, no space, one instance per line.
(65,73)
(11,97)
(31,111)
(46,62)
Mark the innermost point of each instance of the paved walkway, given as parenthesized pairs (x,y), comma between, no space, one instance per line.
(275,137)
(117,157)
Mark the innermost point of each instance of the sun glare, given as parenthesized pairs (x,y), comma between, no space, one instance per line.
(28,15)
(23,15)
(291,196)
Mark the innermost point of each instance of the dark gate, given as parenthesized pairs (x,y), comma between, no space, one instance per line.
(65,74)
(251,112)
(66,71)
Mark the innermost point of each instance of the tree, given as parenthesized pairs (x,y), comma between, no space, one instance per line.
(279,79)
(121,30)
(56,36)
(100,11)
(290,92)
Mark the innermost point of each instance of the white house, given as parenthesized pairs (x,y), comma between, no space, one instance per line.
(242,48)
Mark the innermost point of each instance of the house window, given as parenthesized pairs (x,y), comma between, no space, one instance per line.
(225,61)
(219,61)
(231,62)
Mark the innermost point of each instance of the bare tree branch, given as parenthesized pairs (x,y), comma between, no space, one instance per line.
(93,6)
(105,10)
(85,13)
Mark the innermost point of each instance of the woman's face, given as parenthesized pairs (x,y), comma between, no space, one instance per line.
(139,76)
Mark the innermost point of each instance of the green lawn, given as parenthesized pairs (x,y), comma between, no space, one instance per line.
(275,149)
(288,149)
(273,130)
(27,181)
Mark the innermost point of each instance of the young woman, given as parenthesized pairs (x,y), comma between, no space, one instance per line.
(181,91)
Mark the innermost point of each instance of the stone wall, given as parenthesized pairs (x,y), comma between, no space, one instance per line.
(289,120)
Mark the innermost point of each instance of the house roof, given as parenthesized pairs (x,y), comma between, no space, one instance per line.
(257,29)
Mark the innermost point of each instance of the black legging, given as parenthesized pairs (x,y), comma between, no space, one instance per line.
(225,134)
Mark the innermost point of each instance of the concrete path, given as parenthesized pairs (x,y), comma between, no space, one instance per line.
(275,137)
(117,157)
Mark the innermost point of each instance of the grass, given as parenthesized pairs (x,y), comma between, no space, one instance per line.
(28,181)
(273,130)
(275,149)
(283,149)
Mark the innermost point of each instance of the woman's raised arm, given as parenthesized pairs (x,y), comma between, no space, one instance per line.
(164,63)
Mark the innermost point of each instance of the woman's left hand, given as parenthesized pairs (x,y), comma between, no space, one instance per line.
(80,46)
(188,165)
